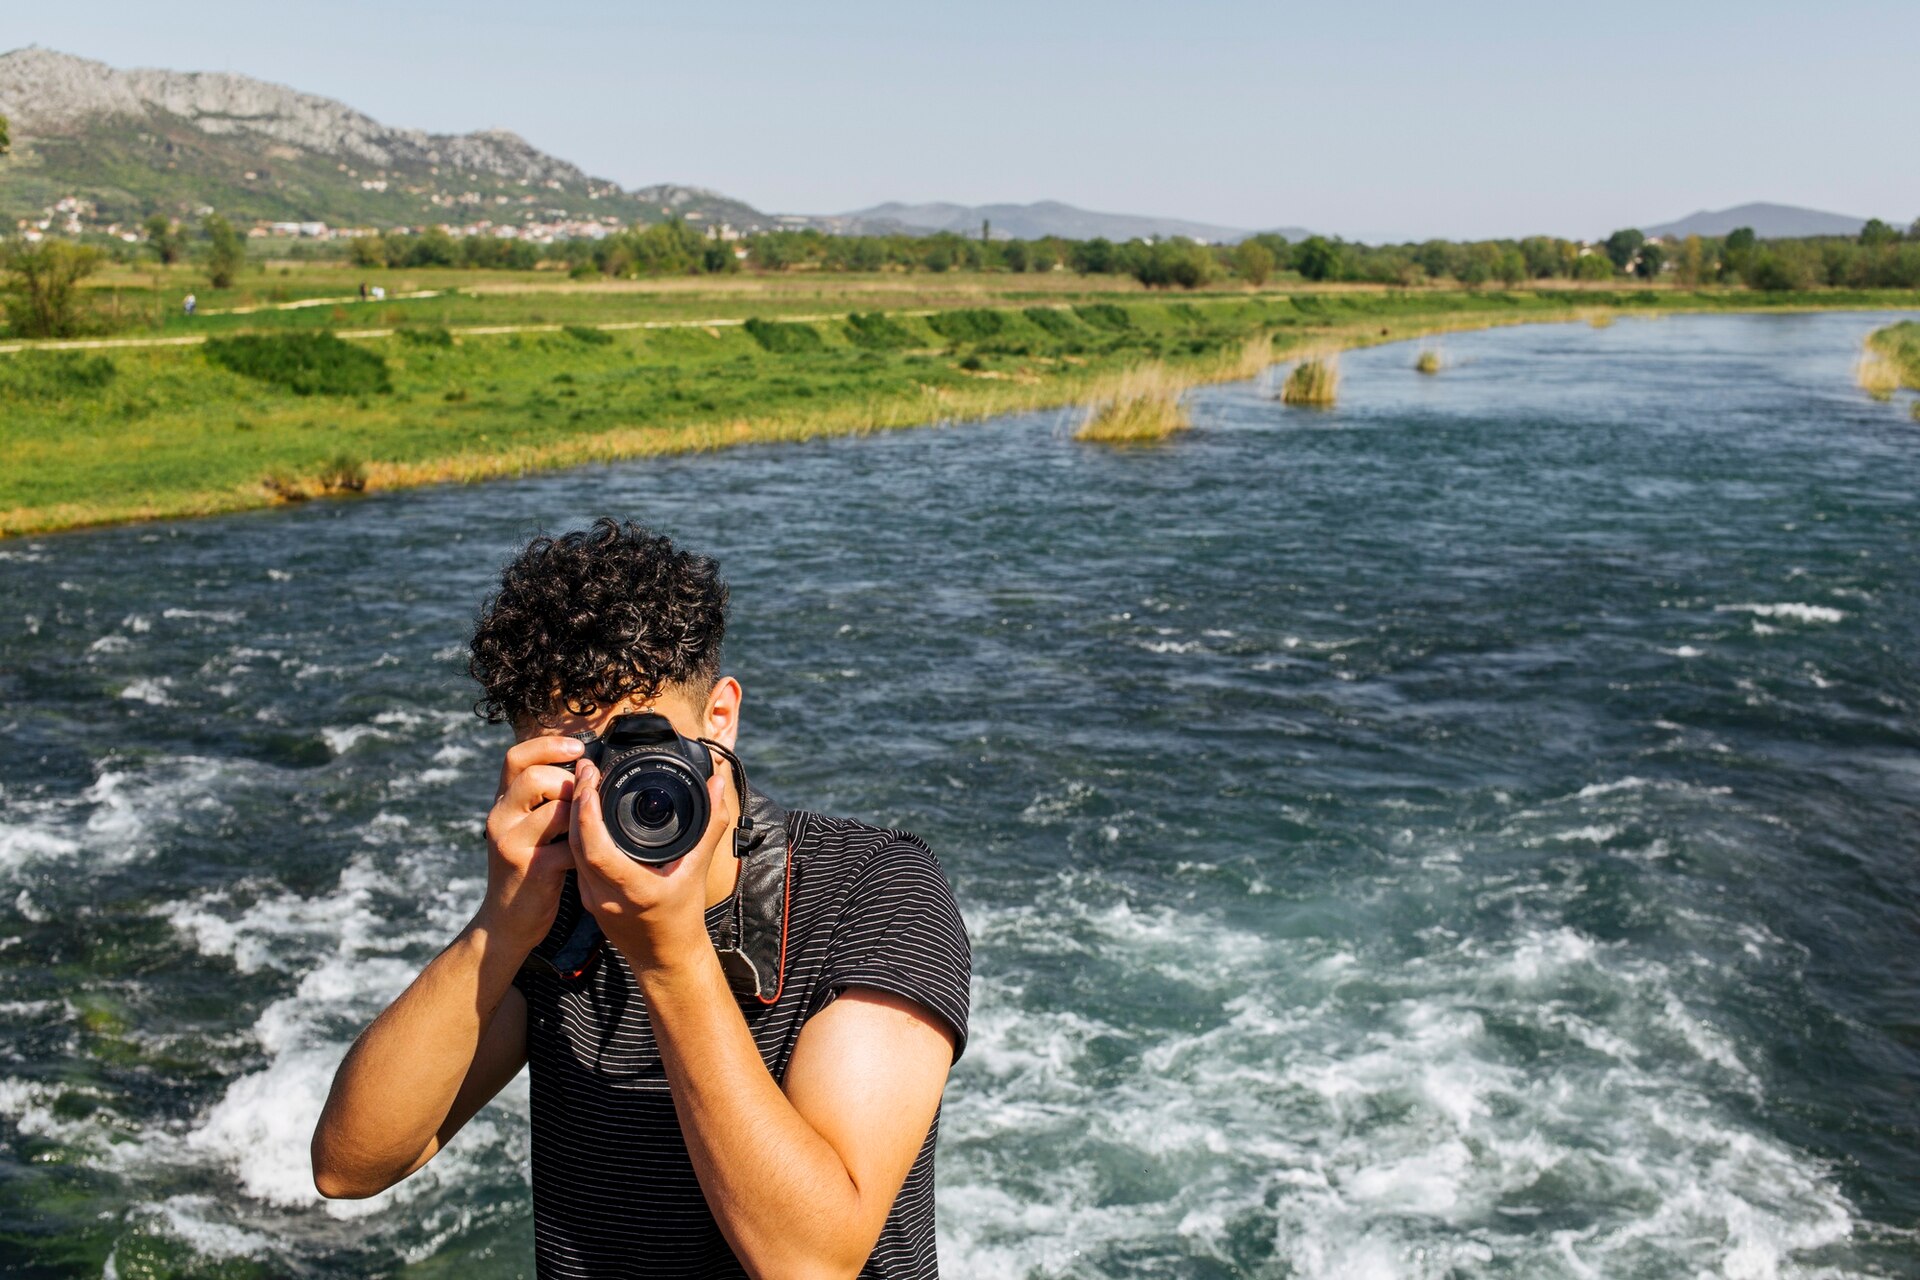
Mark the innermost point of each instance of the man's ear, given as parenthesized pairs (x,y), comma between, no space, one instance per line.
(721,720)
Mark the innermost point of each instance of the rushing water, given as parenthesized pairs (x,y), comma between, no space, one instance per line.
(1471,832)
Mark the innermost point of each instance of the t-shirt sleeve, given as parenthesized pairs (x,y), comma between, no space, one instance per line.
(900,932)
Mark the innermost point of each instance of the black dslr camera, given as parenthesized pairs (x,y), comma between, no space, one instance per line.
(653,786)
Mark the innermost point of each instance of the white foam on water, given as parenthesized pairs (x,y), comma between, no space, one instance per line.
(1794,611)
(194,1221)
(1685,651)
(206,615)
(150,690)
(1358,1110)
(352,960)
(341,739)
(123,816)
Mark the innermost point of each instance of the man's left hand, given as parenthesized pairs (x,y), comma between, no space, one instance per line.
(655,915)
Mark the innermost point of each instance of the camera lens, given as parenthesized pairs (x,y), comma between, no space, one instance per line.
(653,807)
(656,807)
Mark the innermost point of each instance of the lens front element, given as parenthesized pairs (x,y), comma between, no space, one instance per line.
(657,805)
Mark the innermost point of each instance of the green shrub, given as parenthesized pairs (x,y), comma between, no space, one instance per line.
(587,334)
(784,339)
(972,324)
(1186,312)
(878,332)
(53,375)
(304,363)
(430,336)
(1053,321)
(1105,315)
(343,473)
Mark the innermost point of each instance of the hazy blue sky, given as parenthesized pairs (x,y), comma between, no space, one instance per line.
(1363,118)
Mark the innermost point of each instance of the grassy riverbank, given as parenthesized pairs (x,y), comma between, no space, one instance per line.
(471,385)
(1898,348)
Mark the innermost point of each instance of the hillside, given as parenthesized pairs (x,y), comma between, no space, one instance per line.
(129,143)
(1769,222)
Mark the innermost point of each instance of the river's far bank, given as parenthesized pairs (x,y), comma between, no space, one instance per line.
(132,432)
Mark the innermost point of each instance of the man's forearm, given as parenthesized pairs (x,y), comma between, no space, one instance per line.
(780,1193)
(400,1081)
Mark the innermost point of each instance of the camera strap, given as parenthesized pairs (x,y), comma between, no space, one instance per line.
(752,938)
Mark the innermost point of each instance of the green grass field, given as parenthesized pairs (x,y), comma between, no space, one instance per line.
(98,436)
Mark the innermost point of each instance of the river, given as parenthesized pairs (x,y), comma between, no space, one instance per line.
(1472,831)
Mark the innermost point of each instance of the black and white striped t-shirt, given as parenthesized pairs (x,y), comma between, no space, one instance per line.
(614,1191)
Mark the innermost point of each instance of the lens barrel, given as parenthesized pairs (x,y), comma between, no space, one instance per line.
(656,805)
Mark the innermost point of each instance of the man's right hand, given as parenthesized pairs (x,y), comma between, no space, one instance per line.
(527,852)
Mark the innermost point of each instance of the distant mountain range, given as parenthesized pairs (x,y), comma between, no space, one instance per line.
(1769,222)
(115,145)
(132,143)
(118,145)
(1026,222)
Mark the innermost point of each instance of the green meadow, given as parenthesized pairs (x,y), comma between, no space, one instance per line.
(492,377)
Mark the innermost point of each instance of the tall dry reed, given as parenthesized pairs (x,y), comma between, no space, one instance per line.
(1140,405)
(1877,375)
(1314,381)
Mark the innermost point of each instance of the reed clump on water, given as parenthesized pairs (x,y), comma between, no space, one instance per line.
(1597,319)
(1877,375)
(1314,381)
(1141,405)
(1427,362)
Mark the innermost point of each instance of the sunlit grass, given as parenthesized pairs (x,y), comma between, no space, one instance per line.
(1314,382)
(1140,406)
(1877,374)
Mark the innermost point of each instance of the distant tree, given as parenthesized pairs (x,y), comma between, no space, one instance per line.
(1652,257)
(1737,254)
(1274,243)
(226,251)
(1253,262)
(1317,258)
(433,247)
(1876,233)
(1437,258)
(1692,264)
(163,238)
(1778,270)
(1913,232)
(718,258)
(1169,262)
(1544,259)
(369,251)
(1095,257)
(1594,266)
(41,285)
(1478,264)
(1622,245)
(1510,266)
(6,139)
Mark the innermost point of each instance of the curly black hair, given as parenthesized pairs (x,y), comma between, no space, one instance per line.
(590,617)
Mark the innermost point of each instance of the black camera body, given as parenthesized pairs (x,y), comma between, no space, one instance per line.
(653,787)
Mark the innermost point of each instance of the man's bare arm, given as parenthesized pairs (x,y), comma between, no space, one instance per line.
(801,1181)
(454,1037)
(438,1053)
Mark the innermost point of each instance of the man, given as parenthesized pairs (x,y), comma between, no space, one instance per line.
(737,1058)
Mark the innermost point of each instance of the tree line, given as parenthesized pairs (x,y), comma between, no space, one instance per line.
(39,282)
